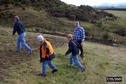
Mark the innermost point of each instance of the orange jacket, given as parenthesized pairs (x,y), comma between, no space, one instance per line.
(46,51)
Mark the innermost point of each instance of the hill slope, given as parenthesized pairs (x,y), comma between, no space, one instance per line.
(100,62)
(55,16)
(60,9)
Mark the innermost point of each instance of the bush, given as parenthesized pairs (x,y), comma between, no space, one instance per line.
(106,36)
(121,31)
(59,9)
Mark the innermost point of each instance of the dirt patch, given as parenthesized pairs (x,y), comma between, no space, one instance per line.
(10,58)
(48,32)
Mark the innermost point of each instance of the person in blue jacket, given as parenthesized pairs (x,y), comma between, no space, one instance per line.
(74,48)
(79,36)
(20,29)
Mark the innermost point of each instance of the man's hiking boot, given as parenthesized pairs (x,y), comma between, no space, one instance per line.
(44,75)
(83,70)
(55,70)
(82,56)
(30,52)
(17,51)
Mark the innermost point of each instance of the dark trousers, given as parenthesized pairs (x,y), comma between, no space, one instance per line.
(81,47)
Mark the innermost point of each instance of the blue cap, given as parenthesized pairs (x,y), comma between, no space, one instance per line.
(77,22)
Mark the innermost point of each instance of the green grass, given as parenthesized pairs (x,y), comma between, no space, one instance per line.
(72,23)
(40,21)
(121,14)
(100,61)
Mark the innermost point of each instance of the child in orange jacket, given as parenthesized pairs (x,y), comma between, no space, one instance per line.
(74,49)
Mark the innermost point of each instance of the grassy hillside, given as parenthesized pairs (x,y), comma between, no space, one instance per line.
(100,62)
(120,22)
(40,21)
(121,14)
(58,8)
(56,16)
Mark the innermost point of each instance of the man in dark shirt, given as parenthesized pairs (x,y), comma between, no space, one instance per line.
(74,48)
(20,29)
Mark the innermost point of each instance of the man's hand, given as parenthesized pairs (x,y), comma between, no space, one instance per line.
(82,43)
(40,60)
(82,56)
(65,54)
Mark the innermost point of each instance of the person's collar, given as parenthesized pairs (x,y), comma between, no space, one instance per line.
(71,39)
(77,27)
(43,41)
(17,20)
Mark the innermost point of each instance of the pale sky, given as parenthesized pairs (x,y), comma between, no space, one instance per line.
(92,2)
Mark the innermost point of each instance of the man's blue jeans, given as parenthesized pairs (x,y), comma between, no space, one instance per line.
(75,59)
(21,41)
(53,67)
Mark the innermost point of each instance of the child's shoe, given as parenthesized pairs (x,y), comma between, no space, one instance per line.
(70,65)
(55,70)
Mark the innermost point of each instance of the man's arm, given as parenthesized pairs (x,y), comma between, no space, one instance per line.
(82,34)
(70,49)
(47,48)
(14,29)
(74,34)
(40,54)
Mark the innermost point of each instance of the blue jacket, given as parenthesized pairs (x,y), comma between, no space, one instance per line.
(73,47)
(79,34)
(18,27)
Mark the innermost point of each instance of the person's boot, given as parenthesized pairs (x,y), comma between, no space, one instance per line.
(44,75)
(55,70)
(70,65)
(30,52)
(83,70)
(17,51)
(82,55)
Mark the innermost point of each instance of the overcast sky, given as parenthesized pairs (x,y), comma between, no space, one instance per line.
(92,2)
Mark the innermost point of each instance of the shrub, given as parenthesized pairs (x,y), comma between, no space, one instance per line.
(106,36)
(121,31)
